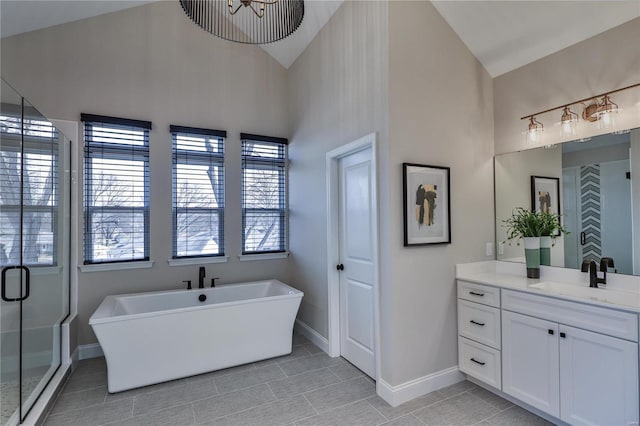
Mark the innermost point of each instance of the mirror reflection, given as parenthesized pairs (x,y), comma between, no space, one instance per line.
(598,183)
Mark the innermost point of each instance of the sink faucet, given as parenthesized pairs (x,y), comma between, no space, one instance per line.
(589,265)
(606,262)
(201,277)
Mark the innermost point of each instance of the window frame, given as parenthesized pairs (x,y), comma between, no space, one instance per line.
(282,211)
(202,158)
(114,151)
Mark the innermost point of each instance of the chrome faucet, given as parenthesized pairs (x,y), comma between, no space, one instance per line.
(201,275)
(589,265)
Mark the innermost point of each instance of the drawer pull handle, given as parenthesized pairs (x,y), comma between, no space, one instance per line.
(551,332)
(481,324)
(563,335)
(478,362)
(476,294)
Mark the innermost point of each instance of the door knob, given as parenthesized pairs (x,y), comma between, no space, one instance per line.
(340,267)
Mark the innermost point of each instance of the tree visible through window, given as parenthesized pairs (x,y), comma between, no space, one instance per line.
(264,194)
(116,196)
(198,192)
(28,171)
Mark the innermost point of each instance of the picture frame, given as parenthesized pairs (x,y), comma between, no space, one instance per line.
(427,204)
(545,194)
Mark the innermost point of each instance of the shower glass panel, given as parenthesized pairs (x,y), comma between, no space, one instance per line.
(10,183)
(34,252)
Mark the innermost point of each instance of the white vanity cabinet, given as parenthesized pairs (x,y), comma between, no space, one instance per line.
(530,363)
(479,332)
(557,357)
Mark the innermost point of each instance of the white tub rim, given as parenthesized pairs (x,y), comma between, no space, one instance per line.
(118,318)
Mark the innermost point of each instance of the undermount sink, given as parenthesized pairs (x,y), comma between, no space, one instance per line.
(584,292)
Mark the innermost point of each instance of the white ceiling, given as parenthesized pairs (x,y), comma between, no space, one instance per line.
(503,35)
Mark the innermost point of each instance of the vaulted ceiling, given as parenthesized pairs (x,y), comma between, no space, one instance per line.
(503,35)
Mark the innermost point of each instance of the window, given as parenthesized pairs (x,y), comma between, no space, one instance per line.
(116,189)
(198,192)
(264,194)
(28,172)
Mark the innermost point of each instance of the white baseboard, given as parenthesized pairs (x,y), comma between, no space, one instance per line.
(318,339)
(396,395)
(92,350)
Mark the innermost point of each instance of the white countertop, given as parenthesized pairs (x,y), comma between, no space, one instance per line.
(557,282)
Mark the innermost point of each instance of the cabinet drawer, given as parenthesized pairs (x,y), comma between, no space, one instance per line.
(484,294)
(479,361)
(588,317)
(479,322)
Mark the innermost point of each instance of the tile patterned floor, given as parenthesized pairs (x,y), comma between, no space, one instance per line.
(304,388)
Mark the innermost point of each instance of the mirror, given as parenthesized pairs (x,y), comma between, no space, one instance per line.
(598,183)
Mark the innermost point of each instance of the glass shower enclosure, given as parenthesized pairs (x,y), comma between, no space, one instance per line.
(35,189)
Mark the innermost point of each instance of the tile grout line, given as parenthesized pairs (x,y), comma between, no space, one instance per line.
(367,401)
(417,419)
(326,386)
(193,413)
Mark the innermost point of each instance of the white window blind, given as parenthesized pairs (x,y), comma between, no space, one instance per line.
(264,194)
(198,192)
(29,181)
(116,189)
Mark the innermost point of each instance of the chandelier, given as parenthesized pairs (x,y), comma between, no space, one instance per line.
(246,21)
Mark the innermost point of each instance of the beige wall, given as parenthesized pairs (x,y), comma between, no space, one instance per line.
(440,113)
(152,63)
(337,93)
(608,61)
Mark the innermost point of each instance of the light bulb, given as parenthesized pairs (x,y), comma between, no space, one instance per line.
(534,131)
(568,123)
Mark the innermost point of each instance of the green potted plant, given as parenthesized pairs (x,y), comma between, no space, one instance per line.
(527,225)
(551,228)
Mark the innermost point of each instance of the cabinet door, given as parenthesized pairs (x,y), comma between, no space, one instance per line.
(530,361)
(598,378)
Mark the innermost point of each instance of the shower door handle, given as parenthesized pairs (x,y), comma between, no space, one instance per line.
(583,238)
(3,283)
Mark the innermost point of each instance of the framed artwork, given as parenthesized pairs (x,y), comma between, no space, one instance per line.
(545,194)
(427,205)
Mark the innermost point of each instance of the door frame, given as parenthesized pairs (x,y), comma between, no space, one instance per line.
(333,243)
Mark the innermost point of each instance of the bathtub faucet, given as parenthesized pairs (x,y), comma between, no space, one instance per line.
(201,277)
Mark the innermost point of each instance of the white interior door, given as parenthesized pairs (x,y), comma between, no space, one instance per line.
(357,260)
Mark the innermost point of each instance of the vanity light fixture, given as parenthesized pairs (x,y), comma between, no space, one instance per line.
(603,112)
(568,122)
(535,128)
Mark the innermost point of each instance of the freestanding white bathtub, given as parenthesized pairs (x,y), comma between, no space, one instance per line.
(153,337)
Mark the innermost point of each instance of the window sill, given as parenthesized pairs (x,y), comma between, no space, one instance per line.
(263,256)
(117,266)
(198,260)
